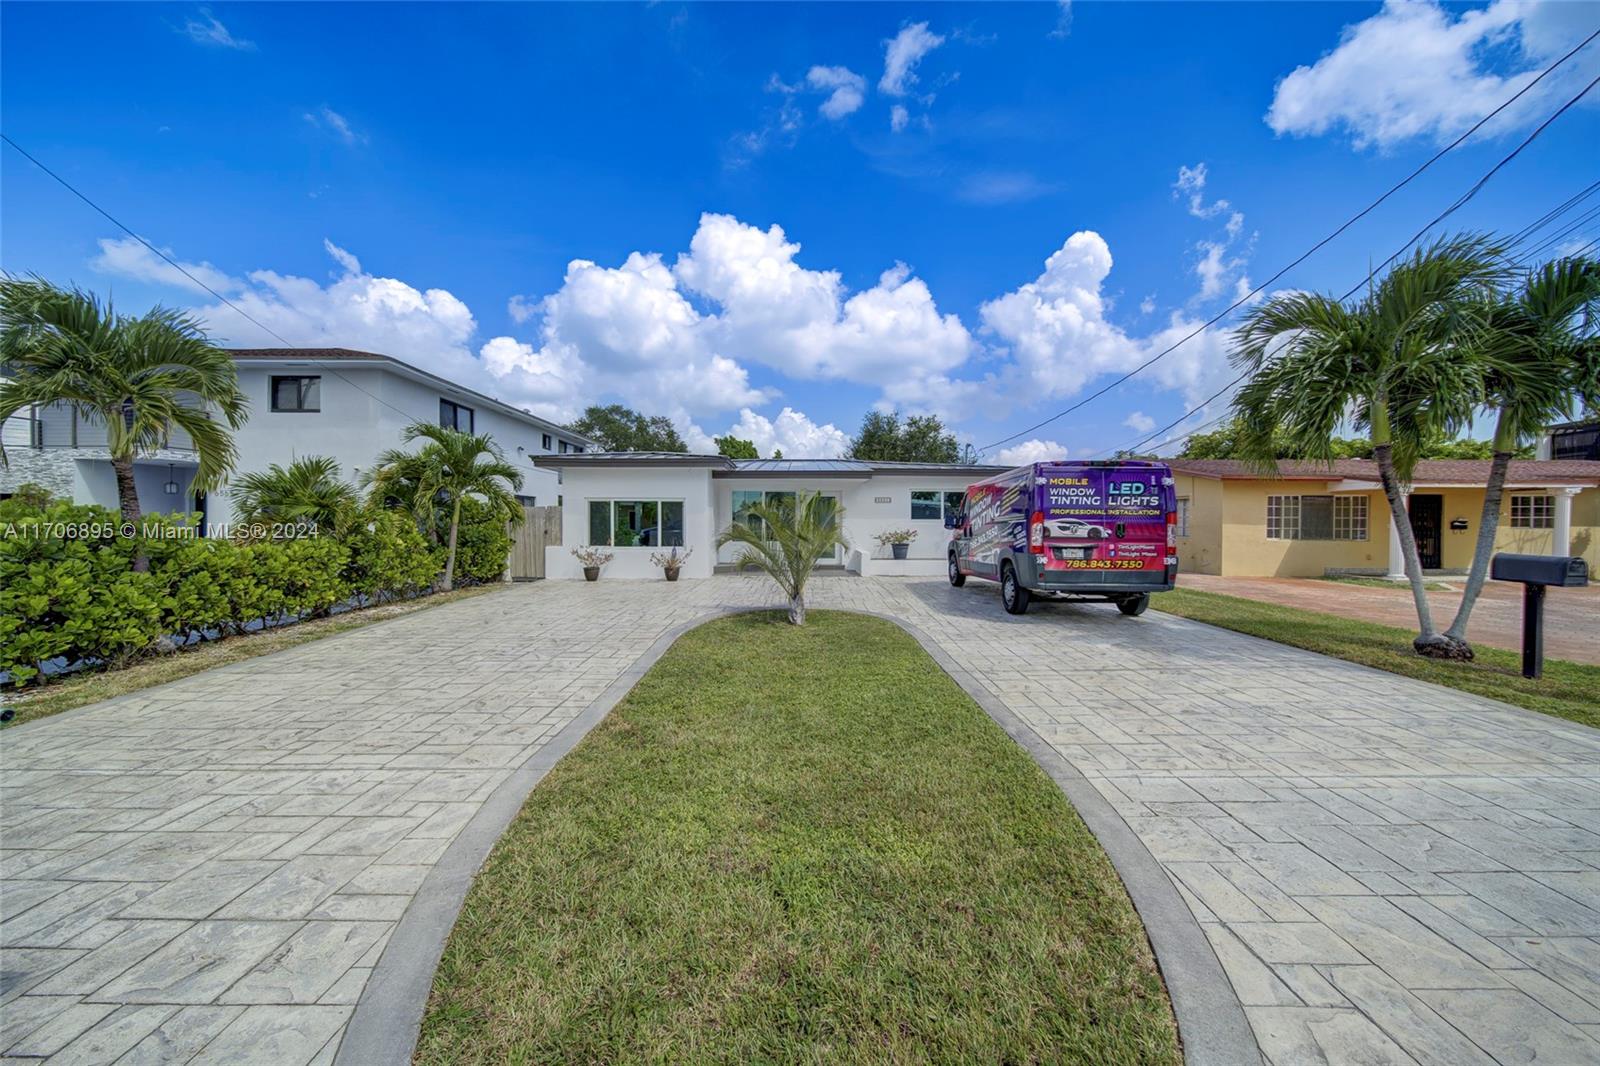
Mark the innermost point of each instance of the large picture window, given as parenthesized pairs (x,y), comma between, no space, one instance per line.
(296,393)
(1533,512)
(1311,517)
(636,523)
(930,506)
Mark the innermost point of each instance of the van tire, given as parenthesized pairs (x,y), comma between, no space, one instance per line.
(1012,595)
(1134,606)
(957,578)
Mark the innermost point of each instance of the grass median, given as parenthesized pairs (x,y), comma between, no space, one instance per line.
(92,686)
(1567,689)
(797,844)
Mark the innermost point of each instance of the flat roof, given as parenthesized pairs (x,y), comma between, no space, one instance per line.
(722,466)
(355,357)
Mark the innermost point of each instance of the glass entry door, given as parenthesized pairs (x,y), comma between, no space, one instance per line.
(744,499)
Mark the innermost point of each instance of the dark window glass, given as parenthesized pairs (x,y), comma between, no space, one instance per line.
(455,416)
(599,521)
(953,502)
(1316,518)
(547,442)
(296,393)
(926,505)
(672,524)
(564,447)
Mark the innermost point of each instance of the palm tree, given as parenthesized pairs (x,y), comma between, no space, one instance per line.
(787,540)
(138,376)
(308,490)
(446,470)
(1390,360)
(1539,352)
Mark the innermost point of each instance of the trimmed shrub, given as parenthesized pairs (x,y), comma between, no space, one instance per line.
(482,544)
(77,598)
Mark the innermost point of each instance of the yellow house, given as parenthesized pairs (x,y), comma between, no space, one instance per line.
(1316,519)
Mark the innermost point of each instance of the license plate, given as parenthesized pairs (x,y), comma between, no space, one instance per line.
(1073,553)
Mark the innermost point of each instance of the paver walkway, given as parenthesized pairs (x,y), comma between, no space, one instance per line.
(1389,871)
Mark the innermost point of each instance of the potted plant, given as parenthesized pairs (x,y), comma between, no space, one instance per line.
(592,559)
(671,561)
(898,540)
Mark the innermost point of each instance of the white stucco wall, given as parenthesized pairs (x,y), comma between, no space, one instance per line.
(692,485)
(364,412)
(871,505)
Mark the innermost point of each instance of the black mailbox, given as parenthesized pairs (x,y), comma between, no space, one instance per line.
(1562,571)
(1535,572)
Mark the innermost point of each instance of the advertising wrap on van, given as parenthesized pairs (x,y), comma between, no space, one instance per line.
(1102,518)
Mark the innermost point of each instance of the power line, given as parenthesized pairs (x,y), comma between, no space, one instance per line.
(1470,193)
(1314,248)
(180,268)
(1555,212)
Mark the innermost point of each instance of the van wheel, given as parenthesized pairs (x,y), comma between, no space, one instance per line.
(1012,594)
(1134,606)
(957,578)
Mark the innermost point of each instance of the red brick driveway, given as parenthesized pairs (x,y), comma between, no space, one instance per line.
(1572,616)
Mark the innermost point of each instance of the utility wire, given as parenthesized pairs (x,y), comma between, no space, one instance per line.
(1319,245)
(180,268)
(1468,195)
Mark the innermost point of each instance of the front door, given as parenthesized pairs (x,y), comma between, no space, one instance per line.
(1427,516)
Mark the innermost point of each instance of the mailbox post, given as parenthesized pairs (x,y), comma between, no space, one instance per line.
(1536,573)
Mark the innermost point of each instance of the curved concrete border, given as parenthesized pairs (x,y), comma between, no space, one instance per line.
(388,1017)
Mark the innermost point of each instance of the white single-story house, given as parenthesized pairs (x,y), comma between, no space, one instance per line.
(637,503)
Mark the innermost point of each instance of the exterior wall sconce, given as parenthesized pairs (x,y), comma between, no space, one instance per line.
(171,487)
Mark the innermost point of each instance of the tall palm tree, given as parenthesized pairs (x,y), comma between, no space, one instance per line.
(1390,360)
(450,467)
(308,490)
(1539,351)
(787,539)
(140,377)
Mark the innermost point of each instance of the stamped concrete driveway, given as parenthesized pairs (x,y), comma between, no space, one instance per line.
(1388,871)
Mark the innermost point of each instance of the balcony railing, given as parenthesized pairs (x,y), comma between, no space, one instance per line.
(64,426)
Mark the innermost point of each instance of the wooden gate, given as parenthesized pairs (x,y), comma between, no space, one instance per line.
(541,526)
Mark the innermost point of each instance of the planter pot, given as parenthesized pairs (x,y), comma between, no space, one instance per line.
(672,575)
(591,573)
(900,550)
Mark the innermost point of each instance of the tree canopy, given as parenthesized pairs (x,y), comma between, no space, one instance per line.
(886,438)
(1224,443)
(622,429)
(736,447)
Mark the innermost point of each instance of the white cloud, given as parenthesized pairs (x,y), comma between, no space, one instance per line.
(902,53)
(203,28)
(1147,305)
(792,433)
(326,118)
(1030,451)
(128,258)
(1415,69)
(899,118)
(846,88)
(1217,270)
(1063,19)
(1139,422)
(1002,187)
(520,309)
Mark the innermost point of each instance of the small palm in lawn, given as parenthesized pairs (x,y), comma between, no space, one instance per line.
(1539,351)
(308,490)
(1392,360)
(450,467)
(140,377)
(787,540)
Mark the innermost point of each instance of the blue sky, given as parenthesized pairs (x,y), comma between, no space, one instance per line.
(570,204)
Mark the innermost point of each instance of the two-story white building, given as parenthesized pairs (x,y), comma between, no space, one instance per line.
(335,402)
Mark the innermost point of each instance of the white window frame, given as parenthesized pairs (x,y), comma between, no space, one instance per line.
(1350,517)
(945,507)
(1530,511)
(611,526)
(1182,526)
(1283,517)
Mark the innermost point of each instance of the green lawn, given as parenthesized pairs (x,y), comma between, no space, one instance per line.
(42,701)
(1385,583)
(1567,690)
(799,845)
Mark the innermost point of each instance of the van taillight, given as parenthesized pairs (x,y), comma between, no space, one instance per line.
(1036,533)
(1172,529)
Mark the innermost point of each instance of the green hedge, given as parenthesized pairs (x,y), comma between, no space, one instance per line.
(482,544)
(78,597)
